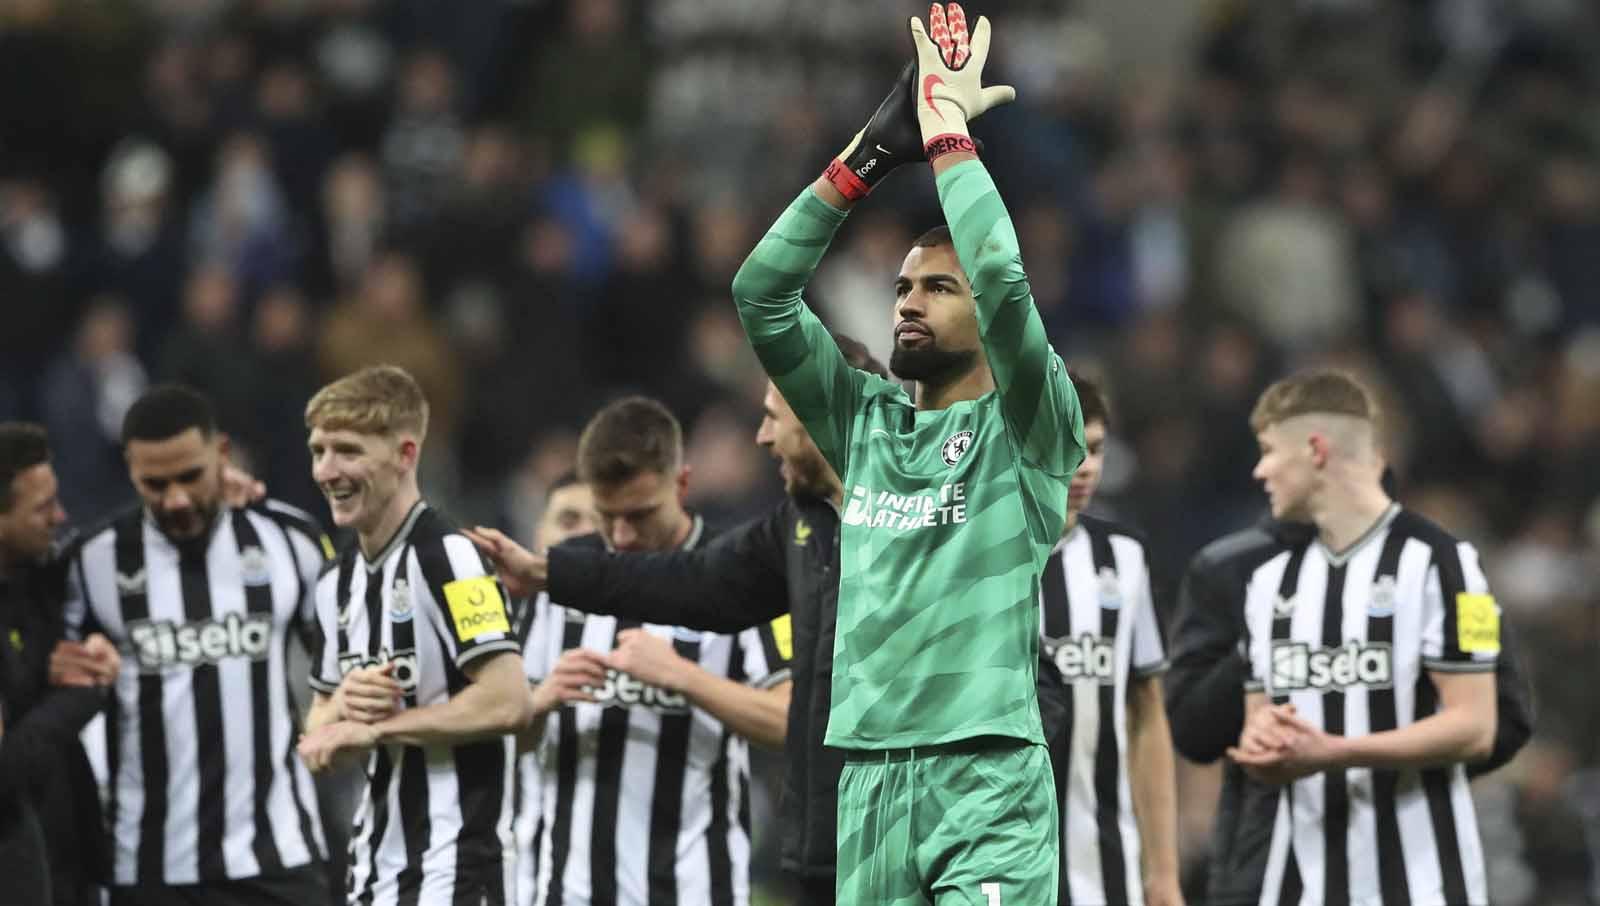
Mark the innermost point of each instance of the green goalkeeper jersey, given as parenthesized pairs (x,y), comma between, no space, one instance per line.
(949,514)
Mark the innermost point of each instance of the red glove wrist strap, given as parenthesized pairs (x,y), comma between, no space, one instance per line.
(851,186)
(947,143)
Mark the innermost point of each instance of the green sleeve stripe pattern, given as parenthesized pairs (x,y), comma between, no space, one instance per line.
(792,344)
(1038,402)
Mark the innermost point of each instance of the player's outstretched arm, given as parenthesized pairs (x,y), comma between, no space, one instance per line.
(735,582)
(794,347)
(1038,402)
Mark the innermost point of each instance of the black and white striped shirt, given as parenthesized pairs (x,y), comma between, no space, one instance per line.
(528,798)
(203,781)
(434,824)
(1350,639)
(646,797)
(1099,628)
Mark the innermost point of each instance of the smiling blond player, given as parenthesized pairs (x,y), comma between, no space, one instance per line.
(417,670)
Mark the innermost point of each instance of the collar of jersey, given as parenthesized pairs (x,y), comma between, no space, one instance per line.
(1343,557)
(400,535)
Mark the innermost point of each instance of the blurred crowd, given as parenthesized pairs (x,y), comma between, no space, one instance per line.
(534,206)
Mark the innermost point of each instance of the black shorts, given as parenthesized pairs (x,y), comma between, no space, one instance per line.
(303,886)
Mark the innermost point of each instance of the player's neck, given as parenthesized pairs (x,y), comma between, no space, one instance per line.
(375,538)
(1072,523)
(681,533)
(969,386)
(1344,515)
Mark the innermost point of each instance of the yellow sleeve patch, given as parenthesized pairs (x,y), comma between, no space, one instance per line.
(1477,623)
(328,552)
(476,607)
(783,635)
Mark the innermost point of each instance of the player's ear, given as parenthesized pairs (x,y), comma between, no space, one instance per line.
(224,448)
(683,482)
(1320,448)
(409,449)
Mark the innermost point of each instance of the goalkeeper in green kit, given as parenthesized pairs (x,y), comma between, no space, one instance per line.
(952,504)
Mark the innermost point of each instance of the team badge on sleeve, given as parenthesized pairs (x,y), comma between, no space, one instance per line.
(476,607)
(1477,623)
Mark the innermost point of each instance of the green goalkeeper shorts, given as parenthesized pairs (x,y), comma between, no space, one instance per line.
(972,822)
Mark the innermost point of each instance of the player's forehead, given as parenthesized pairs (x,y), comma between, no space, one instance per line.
(33,485)
(642,491)
(342,437)
(171,455)
(774,403)
(924,261)
(570,498)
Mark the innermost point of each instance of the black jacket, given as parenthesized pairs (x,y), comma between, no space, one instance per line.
(1205,700)
(43,768)
(784,562)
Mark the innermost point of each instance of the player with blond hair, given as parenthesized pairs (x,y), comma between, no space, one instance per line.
(417,671)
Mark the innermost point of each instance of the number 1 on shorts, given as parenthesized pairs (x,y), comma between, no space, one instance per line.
(991,890)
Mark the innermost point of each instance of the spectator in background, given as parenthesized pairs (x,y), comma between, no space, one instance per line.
(33,284)
(139,253)
(354,223)
(425,141)
(86,393)
(208,349)
(289,120)
(1290,245)
(473,239)
(597,42)
(284,369)
(241,222)
(386,323)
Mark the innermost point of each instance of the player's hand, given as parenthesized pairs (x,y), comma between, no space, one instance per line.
(950,89)
(368,695)
(335,745)
(1310,749)
(1268,767)
(240,488)
(523,572)
(649,659)
(1263,732)
(578,673)
(890,138)
(92,662)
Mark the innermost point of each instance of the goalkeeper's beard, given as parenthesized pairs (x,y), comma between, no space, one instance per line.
(928,364)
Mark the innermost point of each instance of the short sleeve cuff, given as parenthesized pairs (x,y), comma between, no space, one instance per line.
(773,679)
(1254,685)
(477,651)
(1443,666)
(322,685)
(1153,669)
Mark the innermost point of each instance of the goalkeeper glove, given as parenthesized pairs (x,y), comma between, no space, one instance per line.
(889,139)
(950,91)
